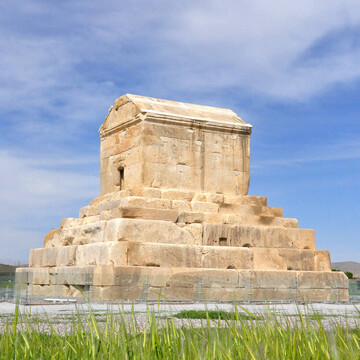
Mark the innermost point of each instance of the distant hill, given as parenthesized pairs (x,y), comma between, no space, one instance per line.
(10,268)
(7,268)
(351,266)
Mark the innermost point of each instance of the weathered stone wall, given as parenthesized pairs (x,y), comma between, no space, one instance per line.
(123,148)
(196,159)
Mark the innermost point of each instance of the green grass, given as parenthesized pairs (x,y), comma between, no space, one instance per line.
(234,337)
(214,315)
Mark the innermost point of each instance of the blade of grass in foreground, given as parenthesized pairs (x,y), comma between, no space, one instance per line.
(130,336)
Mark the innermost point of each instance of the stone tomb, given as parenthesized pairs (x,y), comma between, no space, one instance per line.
(174,220)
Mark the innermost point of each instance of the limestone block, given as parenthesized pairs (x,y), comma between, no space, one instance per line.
(75,275)
(153,175)
(272,211)
(104,275)
(56,291)
(322,280)
(196,231)
(212,233)
(108,205)
(164,255)
(215,198)
(86,220)
(254,221)
(199,197)
(188,177)
(199,206)
(245,200)
(255,236)
(189,217)
(226,258)
(67,222)
(187,277)
(146,192)
(89,210)
(116,292)
(177,194)
(99,199)
(118,253)
(162,133)
(322,260)
(156,293)
(52,238)
(107,183)
(110,214)
(119,194)
(301,238)
(131,276)
(271,279)
(56,256)
(269,294)
(240,209)
(217,218)
(181,205)
(156,231)
(93,254)
(298,259)
(47,290)
(147,203)
(290,223)
(323,294)
(268,259)
(177,293)
(40,276)
(133,176)
(226,294)
(83,211)
(62,291)
(149,214)
(86,234)
(23,276)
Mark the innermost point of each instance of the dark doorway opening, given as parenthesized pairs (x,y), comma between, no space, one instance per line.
(121,174)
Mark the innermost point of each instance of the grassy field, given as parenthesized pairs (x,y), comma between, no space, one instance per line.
(218,335)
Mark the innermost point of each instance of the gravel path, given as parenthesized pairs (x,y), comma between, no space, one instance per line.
(61,316)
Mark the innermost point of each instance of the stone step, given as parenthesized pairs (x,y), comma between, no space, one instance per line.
(245,200)
(245,204)
(250,210)
(137,282)
(124,253)
(252,220)
(258,236)
(162,255)
(168,232)
(187,216)
(185,195)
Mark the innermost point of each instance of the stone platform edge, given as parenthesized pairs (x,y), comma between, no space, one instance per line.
(151,283)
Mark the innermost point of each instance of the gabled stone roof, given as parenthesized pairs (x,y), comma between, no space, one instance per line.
(128,107)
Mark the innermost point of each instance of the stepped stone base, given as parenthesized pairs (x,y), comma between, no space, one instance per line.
(174,218)
(149,283)
(171,247)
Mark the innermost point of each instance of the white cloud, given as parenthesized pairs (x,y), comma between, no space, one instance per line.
(35,194)
(341,149)
(169,48)
(15,244)
(35,197)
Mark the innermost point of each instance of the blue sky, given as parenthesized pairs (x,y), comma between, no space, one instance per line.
(290,68)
